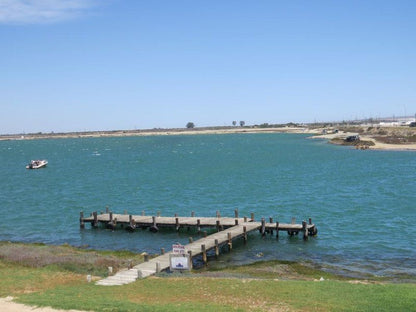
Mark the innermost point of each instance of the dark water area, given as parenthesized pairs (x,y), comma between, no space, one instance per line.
(363,202)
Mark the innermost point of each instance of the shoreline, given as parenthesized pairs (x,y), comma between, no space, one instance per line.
(377,145)
(40,254)
(35,255)
(316,133)
(155,132)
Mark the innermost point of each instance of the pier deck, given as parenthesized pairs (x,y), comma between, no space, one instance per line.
(228,229)
(140,221)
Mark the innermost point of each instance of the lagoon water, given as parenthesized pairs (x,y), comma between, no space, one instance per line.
(363,202)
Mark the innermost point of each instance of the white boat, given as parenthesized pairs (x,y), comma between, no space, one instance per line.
(37,164)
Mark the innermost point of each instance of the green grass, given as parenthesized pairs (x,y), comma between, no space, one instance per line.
(216,294)
(262,286)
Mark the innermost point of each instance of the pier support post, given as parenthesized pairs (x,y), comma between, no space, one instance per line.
(95,224)
(190,258)
(142,213)
(263,227)
(154,227)
(132,224)
(245,219)
(310,221)
(230,241)
(245,234)
(217,248)
(158,267)
(81,220)
(191,240)
(205,233)
(271,229)
(218,214)
(146,257)
(177,223)
(106,209)
(236,213)
(236,221)
(305,230)
(198,225)
(252,216)
(277,229)
(162,251)
(158,213)
(111,223)
(192,214)
(204,254)
(218,225)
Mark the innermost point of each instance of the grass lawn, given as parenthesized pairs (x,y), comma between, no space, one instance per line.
(264,286)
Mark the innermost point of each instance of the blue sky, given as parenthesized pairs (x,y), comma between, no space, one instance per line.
(76,65)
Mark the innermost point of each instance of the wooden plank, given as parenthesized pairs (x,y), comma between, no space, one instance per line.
(224,222)
(149,268)
(235,229)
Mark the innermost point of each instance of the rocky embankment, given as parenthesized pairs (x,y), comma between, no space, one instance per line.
(372,137)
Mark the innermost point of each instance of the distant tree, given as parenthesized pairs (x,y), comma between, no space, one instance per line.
(242,123)
(190,125)
(234,123)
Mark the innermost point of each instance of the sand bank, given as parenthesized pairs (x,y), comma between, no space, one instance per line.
(377,144)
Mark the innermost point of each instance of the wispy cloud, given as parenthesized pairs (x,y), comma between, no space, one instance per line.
(42,11)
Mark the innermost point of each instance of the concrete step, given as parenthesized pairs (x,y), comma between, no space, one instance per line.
(121,278)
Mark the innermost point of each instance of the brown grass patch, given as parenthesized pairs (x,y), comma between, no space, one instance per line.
(65,257)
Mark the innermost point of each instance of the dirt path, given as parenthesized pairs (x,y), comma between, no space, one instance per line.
(7,305)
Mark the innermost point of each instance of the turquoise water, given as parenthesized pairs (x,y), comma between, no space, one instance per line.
(362,201)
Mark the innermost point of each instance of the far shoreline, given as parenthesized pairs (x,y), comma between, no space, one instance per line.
(155,132)
(323,132)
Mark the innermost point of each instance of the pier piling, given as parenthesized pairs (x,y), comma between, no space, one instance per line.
(204,254)
(305,230)
(81,220)
(234,228)
(95,222)
(277,229)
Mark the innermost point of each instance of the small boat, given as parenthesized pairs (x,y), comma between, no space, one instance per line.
(37,164)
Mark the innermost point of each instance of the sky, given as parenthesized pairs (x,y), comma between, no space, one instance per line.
(88,65)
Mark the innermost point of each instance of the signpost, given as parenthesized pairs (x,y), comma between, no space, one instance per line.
(178,249)
(179,260)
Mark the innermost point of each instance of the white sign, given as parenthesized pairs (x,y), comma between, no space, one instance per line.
(178,249)
(180,262)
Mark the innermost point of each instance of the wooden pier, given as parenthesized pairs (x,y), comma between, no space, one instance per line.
(227,229)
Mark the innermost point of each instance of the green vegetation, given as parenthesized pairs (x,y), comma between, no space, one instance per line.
(263,286)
